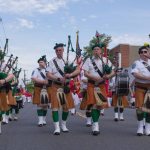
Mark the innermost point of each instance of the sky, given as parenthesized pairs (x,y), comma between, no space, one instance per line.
(34,26)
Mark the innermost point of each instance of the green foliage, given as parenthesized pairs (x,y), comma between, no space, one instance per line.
(103,40)
(30,87)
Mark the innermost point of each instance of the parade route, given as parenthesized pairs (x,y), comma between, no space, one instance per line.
(24,134)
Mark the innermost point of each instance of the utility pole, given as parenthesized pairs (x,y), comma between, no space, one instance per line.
(24,79)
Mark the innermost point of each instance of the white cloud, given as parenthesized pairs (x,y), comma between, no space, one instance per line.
(71,22)
(30,6)
(128,39)
(26,23)
(92,16)
(84,19)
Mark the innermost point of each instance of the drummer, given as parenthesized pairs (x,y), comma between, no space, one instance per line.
(119,102)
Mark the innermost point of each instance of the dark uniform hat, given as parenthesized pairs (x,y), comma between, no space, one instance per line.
(59,45)
(98,45)
(42,58)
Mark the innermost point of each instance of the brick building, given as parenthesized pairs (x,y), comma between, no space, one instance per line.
(129,54)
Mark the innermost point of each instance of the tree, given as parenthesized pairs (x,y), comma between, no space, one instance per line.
(102,39)
(30,87)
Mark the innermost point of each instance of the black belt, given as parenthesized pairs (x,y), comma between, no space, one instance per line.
(57,83)
(41,85)
(143,88)
(38,85)
(139,85)
(50,82)
(93,82)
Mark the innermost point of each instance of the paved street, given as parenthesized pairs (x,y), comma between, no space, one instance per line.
(24,134)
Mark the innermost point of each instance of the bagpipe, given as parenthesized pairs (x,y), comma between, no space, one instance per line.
(69,67)
(3,53)
(101,100)
(5,68)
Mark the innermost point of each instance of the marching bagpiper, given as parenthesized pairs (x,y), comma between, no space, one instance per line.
(141,72)
(42,91)
(14,109)
(96,91)
(61,71)
(4,91)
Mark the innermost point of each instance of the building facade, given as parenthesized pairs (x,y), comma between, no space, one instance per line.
(128,54)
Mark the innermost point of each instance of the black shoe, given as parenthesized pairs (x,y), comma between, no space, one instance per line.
(139,134)
(57,133)
(102,114)
(88,125)
(121,119)
(116,119)
(148,135)
(40,125)
(10,119)
(4,123)
(65,131)
(95,133)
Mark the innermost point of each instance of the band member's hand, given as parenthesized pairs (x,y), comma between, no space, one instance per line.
(98,79)
(148,78)
(2,82)
(68,75)
(106,77)
(147,55)
(45,82)
(62,80)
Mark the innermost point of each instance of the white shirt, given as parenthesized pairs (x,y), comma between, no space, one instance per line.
(36,74)
(138,67)
(88,66)
(112,83)
(52,68)
(83,84)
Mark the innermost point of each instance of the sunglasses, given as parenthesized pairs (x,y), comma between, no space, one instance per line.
(143,52)
(58,50)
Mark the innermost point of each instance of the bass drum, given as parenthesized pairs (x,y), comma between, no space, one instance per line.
(122,84)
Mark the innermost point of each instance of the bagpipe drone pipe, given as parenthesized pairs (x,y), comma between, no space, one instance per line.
(5,68)
(69,67)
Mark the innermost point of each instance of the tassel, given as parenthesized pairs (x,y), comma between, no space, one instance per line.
(102,97)
(60,99)
(42,99)
(148,102)
(63,96)
(46,99)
